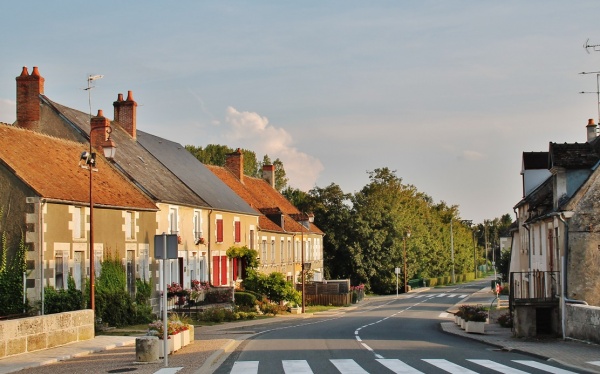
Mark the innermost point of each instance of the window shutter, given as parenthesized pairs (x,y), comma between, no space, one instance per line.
(238,231)
(219,230)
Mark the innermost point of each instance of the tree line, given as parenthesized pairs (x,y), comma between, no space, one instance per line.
(367,232)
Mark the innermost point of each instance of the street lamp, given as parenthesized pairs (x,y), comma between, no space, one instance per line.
(309,218)
(452,249)
(405,267)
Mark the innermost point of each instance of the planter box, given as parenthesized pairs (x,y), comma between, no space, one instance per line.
(185,337)
(161,347)
(475,327)
(176,341)
(462,323)
(457,320)
(296,310)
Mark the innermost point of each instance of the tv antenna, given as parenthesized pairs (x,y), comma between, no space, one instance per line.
(597,92)
(587,46)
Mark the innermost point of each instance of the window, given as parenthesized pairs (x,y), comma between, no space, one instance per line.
(79,223)
(272,250)
(219,230)
(264,251)
(197,225)
(251,239)
(129,225)
(238,231)
(61,269)
(281,251)
(289,250)
(173,220)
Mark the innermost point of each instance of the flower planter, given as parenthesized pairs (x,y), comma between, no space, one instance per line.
(457,320)
(176,341)
(161,347)
(462,323)
(475,327)
(185,337)
(296,310)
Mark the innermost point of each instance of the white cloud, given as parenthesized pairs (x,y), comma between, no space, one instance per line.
(251,131)
(472,155)
(8,111)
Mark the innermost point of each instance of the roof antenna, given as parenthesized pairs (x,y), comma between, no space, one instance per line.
(587,46)
(597,92)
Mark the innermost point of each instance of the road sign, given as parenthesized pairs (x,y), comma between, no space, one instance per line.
(159,244)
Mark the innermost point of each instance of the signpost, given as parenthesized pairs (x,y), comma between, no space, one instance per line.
(165,248)
(397,272)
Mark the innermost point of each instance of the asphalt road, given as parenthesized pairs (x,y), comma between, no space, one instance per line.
(389,335)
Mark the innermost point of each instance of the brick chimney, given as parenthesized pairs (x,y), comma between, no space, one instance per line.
(125,113)
(100,128)
(235,163)
(29,89)
(592,130)
(268,174)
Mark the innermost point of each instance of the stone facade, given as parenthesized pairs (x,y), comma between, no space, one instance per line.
(42,332)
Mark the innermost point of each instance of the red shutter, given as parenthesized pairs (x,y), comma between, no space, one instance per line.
(219,231)
(223,270)
(235,268)
(215,272)
(238,231)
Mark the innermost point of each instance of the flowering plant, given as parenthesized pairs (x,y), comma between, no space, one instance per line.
(174,326)
(200,286)
(472,313)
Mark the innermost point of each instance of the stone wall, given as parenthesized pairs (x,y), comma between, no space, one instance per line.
(42,332)
(583,322)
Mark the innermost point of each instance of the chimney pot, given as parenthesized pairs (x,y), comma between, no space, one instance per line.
(24,72)
(592,130)
(35,72)
(126,113)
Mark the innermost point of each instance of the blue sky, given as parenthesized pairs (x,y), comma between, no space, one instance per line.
(446,93)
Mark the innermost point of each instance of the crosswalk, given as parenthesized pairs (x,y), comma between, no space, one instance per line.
(349,366)
(431,296)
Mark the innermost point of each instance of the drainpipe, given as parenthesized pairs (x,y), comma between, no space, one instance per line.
(41,204)
(563,298)
(208,245)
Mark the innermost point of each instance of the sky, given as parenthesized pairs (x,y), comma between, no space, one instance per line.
(448,94)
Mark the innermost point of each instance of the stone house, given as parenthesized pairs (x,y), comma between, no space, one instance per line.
(45,196)
(554,260)
(181,199)
(285,236)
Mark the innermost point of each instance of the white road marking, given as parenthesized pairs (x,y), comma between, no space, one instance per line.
(296,367)
(539,365)
(245,367)
(348,367)
(450,367)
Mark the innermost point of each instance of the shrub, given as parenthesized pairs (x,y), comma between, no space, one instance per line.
(505,320)
(245,299)
(59,301)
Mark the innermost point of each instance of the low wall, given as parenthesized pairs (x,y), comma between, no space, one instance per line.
(583,322)
(42,332)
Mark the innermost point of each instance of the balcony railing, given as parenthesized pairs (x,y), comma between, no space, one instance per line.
(534,286)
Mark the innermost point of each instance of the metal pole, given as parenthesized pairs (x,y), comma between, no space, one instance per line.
(164,300)
(303,293)
(397,283)
(452,249)
(92,257)
(405,267)
(474,255)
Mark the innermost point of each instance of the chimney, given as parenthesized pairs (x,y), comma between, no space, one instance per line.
(100,128)
(268,174)
(592,130)
(29,89)
(235,163)
(125,113)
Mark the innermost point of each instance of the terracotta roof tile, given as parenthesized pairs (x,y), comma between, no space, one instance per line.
(50,167)
(264,198)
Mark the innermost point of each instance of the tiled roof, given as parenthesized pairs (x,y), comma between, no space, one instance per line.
(194,174)
(136,162)
(572,155)
(264,198)
(535,160)
(50,167)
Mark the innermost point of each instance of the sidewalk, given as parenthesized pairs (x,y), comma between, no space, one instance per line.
(575,354)
(218,340)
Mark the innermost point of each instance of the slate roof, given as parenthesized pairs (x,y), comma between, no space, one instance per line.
(572,155)
(194,174)
(265,199)
(535,160)
(136,162)
(50,167)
